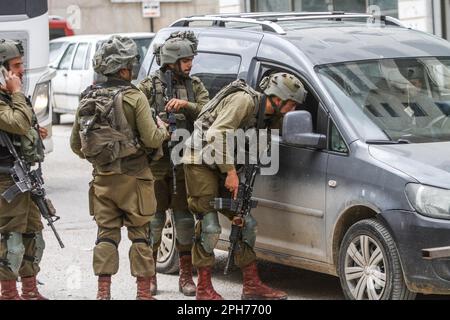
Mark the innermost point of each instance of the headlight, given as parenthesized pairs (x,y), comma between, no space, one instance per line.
(429,201)
(41,99)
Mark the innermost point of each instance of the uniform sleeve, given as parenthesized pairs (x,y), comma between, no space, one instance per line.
(75,142)
(201,98)
(16,119)
(146,87)
(151,136)
(237,107)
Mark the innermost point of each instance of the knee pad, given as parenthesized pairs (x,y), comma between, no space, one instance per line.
(15,251)
(156,227)
(249,231)
(106,240)
(184,224)
(210,231)
(39,246)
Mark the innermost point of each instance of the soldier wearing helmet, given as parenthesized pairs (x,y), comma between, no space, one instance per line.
(236,106)
(188,95)
(21,244)
(122,190)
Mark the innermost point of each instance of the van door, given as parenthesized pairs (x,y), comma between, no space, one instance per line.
(291,208)
(76,77)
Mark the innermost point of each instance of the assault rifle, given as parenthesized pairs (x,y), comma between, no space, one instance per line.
(172,120)
(241,206)
(27,180)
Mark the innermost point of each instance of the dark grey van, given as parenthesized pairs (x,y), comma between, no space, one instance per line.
(363,190)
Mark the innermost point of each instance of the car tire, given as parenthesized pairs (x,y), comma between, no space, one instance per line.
(56,118)
(167,261)
(369,264)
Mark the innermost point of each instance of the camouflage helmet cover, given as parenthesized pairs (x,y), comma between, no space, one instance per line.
(10,49)
(116,53)
(285,86)
(179,45)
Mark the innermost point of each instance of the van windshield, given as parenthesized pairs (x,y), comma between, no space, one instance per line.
(406,99)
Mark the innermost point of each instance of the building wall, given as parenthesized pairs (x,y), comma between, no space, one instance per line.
(103,16)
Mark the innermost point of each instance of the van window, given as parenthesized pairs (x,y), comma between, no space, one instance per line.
(311,103)
(88,61)
(405,99)
(337,143)
(216,70)
(80,55)
(67,58)
(55,50)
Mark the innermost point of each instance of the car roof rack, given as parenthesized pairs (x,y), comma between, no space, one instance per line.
(269,21)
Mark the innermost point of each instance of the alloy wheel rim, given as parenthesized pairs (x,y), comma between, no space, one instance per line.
(167,240)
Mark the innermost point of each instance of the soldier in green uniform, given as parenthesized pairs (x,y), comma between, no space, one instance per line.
(237,106)
(114,130)
(22,244)
(189,95)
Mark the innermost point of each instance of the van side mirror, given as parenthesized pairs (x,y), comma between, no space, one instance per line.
(298,130)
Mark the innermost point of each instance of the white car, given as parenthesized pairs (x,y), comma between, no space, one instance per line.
(71,57)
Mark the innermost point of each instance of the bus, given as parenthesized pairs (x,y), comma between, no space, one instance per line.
(27,21)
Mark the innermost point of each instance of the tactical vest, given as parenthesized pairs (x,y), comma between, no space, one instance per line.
(159,99)
(29,146)
(206,118)
(105,134)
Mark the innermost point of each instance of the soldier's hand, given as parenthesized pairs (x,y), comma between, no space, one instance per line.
(13,82)
(232,183)
(43,132)
(160,123)
(174,105)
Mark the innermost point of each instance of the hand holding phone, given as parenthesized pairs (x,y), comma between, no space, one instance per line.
(12,83)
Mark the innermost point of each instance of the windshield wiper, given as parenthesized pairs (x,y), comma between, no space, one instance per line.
(381,142)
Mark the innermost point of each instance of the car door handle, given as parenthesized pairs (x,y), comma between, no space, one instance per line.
(65,74)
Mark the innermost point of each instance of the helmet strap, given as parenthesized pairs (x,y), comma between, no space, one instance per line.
(275,107)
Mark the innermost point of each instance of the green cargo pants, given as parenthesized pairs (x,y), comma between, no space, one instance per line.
(21,216)
(203,184)
(117,201)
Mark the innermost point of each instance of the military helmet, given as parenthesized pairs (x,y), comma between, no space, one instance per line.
(10,49)
(178,46)
(285,86)
(116,53)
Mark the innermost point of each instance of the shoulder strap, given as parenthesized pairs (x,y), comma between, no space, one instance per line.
(190,90)
(235,86)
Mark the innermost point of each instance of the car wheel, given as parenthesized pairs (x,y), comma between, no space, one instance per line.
(167,261)
(369,264)
(56,118)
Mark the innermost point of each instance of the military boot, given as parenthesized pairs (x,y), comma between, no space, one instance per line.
(254,289)
(153,283)
(30,290)
(104,288)
(143,289)
(205,290)
(185,284)
(9,290)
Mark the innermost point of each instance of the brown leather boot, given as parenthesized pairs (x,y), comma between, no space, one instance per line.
(254,289)
(153,282)
(30,290)
(143,289)
(9,290)
(205,290)
(104,288)
(185,284)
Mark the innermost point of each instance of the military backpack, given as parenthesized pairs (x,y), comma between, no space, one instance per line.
(105,133)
